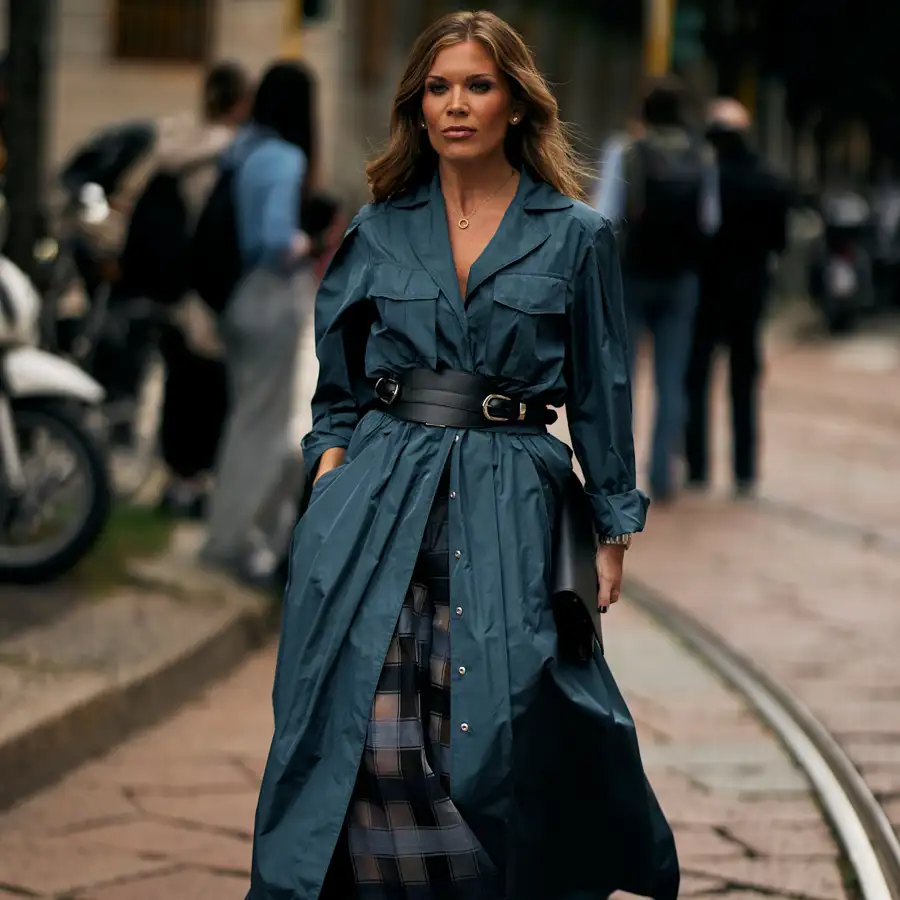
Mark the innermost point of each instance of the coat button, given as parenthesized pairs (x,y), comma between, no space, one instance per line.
(458,554)
(452,495)
(456,439)
(464,726)
(462,670)
(459,610)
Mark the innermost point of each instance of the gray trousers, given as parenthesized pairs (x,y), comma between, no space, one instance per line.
(260,470)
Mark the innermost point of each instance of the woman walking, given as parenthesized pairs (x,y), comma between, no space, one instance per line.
(429,741)
(258,468)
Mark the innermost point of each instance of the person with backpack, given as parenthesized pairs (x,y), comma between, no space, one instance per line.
(665,205)
(178,178)
(734,285)
(254,216)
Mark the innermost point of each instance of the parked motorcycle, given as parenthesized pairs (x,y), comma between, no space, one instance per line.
(54,488)
(841,270)
(114,337)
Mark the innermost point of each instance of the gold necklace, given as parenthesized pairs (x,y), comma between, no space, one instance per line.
(463,221)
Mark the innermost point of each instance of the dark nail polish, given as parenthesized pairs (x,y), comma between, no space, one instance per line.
(604,609)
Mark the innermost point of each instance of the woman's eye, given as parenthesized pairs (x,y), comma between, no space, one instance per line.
(481,87)
(437,88)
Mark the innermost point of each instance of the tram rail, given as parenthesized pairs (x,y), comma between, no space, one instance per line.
(858,820)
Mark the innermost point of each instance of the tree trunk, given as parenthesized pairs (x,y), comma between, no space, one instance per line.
(26,125)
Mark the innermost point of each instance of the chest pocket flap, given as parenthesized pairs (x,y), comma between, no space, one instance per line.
(396,283)
(526,338)
(532,294)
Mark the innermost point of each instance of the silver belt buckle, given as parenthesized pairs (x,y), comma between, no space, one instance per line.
(485,408)
(394,386)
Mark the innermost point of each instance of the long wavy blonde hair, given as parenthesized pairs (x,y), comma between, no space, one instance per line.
(540,141)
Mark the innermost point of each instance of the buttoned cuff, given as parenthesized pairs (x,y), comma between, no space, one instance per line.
(623,513)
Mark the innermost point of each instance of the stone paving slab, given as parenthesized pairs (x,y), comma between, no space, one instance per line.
(718,794)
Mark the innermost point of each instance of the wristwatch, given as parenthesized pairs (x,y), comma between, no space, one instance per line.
(616,540)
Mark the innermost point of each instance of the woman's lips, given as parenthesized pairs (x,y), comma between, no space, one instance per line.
(458,134)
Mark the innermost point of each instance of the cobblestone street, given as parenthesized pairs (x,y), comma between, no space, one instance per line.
(804,580)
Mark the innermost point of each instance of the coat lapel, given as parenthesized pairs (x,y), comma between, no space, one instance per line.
(522,230)
(426,228)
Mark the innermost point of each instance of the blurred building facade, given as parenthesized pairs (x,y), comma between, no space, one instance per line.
(121,59)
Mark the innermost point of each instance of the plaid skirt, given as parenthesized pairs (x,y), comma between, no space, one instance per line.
(404,839)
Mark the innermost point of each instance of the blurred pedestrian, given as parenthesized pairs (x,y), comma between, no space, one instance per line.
(734,286)
(259,471)
(665,205)
(609,189)
(475,290)
(196,392)
(157,175)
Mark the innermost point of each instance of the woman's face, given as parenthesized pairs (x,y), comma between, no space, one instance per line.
(467,104)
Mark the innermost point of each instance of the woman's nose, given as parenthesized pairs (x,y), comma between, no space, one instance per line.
(458,106)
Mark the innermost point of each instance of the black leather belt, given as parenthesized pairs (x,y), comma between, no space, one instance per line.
(454,399)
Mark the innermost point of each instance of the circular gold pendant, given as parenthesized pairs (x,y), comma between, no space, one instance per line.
(463,223)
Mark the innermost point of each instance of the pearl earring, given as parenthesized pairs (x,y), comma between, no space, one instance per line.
(515,120)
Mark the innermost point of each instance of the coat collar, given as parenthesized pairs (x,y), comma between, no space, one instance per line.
(537,196)
(522,231)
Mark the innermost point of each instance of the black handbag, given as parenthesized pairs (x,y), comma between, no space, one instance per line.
(575,582)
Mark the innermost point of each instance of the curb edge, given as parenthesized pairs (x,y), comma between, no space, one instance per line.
(55,745)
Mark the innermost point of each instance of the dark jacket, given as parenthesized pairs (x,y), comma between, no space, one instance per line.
(755,203)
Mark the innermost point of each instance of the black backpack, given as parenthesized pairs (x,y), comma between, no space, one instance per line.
(215,264)
(663,236)
(215,254)
(154,261)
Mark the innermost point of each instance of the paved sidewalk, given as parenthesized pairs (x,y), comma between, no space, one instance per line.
(805,581)
(169,814)
(82,672)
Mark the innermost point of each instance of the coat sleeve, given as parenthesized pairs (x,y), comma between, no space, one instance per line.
(598,405)
(341,331)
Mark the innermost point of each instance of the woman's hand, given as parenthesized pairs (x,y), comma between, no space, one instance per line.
(331,459)
(610,559)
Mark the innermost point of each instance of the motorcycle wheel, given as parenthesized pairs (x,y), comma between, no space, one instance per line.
(56,452)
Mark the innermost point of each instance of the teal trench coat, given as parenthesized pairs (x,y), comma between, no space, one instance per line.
(547,773)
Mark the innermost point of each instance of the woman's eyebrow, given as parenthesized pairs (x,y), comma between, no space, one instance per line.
(468,77)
